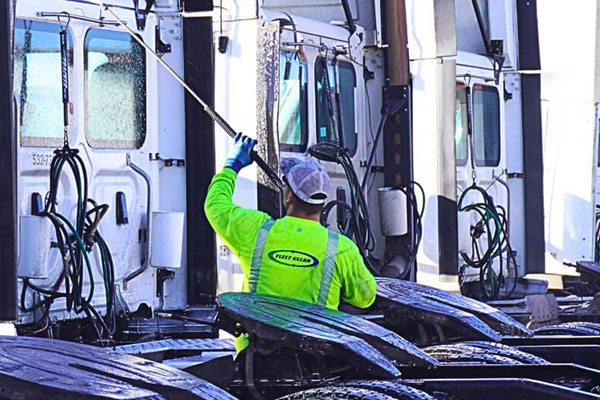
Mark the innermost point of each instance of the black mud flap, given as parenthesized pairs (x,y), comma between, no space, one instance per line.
(428,304)
(307,327)
(589,267)
(35,368)
(588,281)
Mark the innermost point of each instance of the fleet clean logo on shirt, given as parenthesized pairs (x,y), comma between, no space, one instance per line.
(293,258)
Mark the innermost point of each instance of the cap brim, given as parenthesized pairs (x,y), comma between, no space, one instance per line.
(316,201)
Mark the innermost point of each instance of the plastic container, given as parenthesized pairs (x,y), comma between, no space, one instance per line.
(35,236)
(392,211)
(167,239)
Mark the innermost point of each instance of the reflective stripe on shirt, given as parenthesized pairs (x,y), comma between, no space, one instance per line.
(259,248)
(328,267)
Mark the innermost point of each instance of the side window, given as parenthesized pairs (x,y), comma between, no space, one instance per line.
(115,77)
(38,82)
(293,102)
(341,80)
(486,126)
(460,129)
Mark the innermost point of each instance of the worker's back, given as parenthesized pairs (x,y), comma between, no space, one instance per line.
(287,257)
(303,260)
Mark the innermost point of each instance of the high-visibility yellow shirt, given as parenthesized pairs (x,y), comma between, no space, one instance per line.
(288,257)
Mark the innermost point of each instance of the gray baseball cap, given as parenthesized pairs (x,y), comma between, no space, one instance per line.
(308,180)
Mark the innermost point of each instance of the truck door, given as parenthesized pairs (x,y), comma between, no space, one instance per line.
(309,78)
(481,165)
(113,123)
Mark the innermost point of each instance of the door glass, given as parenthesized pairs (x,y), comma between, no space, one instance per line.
(38,82)
(460,129)
(293,102)
(115,73)
(486,126)
(343,79)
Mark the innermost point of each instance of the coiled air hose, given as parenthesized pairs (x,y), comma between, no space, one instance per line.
(357,226)
(492,223)
(74,242)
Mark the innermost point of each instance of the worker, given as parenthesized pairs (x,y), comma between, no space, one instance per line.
(294,256)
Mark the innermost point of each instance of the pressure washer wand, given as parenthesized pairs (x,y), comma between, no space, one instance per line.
(207,109)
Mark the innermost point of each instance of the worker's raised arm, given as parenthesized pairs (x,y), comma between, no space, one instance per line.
(237,226)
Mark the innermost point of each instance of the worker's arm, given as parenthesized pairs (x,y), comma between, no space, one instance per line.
(358,285)
(237,226)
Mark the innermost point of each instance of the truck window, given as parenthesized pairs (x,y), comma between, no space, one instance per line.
(346,79)
(115,74)
(460,129)
(293,102)
(37,81)
(486,126)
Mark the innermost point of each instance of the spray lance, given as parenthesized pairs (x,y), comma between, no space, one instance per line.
(207,109)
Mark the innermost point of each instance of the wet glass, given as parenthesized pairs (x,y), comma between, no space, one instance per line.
(486,126)
(346,82)
(115,73)
(292,121)
(38,82)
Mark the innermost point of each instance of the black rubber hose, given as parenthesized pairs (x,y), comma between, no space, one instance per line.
(382,122)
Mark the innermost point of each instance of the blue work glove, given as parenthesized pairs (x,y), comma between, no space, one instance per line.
(239,155)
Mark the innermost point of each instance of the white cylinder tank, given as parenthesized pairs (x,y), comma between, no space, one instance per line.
(167,239)
(35,239)
(392,211)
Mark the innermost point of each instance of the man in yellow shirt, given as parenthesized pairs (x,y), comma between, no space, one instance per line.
(294,256)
